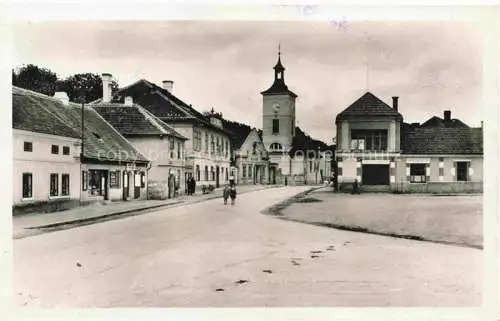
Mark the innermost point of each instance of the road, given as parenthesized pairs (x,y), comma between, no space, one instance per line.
(208,254)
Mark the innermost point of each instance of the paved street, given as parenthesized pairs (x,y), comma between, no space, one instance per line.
(208,254)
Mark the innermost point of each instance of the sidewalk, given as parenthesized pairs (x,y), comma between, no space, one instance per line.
(23,224)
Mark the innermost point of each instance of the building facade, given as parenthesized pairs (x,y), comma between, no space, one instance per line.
(207,148)
(50,132)
(162,145)
(380,151)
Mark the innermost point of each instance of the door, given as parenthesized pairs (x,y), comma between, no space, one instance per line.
(125,185)
(273,175)
(375,175)
(217,173)
(137,185)
(104,184)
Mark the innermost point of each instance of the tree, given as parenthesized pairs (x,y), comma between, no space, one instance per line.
(87,85)
(34,78)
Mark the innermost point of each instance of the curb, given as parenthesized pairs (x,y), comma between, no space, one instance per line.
(275,210)
(100,217)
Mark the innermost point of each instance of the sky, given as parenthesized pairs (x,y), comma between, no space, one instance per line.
(431,66)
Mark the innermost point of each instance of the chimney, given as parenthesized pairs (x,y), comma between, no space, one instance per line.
(129,101)
(62,96)
(447,115)
(106,88)
(395,103)
(168,85)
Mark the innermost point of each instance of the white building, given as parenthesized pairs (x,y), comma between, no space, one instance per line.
(207,150)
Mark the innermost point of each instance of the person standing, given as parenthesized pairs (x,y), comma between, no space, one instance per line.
(232,192)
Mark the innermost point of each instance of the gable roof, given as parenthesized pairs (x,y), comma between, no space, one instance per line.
(134,120)
(442,141)
(368,105)
(163,104)
(435,121)
(101,141)
(302,141)
(28,114)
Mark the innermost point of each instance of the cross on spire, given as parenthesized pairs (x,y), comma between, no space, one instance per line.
(279,49)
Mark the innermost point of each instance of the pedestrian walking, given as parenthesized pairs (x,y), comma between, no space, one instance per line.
(193,186)
(232,193)
(226,193)
(355,187)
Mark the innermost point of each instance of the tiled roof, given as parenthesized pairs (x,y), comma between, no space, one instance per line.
(302,141)
(134,120)
(442,141)
(368,105)
(101,141)
(28,114)
(435,122)
(162,103)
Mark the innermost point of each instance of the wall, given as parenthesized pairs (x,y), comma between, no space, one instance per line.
(41,163)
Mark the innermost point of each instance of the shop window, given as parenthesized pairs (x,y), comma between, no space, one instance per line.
(417,173)
(143,179)
(114,179)
(65,184)
(65,150)
(55,149)
(28,146)
(27,185)
(54,184)
(85,181)
(462,170)
(97,179)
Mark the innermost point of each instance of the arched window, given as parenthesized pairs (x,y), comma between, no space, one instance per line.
(206,173)
(276,146)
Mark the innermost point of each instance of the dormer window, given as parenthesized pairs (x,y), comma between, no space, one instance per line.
(276,147)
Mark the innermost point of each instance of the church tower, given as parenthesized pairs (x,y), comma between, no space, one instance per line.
(278,114)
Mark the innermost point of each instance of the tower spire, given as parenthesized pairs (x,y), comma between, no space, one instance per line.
(279,50)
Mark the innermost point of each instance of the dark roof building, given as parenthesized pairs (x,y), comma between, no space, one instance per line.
(39,113)
(442,141)
(302,141)
(163,104)
(134,120)
(445,122)
(369,105)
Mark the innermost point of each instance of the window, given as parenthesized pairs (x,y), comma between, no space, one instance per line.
(417,173)
(206,143)
(212,144)
(85,182)
(276,146)
(143,179)
(55,149)
(218,147)
(372,139)
(206,173)
(197,140)
(97,180)
(244,174)
(276,126)
(462,169)
(212,173)
(310,165)
(198,172)
(28,146)
(114,179)
(54,184)
(227,173)
(172,147)
(65,184)
(357,144)
(249,171)
(178,150)
(254,148)
(27,185)
(227,148)
(65,150)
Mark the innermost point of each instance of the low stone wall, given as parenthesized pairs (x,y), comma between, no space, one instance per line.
(439,187)
(47,206)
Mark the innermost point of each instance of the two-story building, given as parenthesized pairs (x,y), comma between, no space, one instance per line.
(380,151)
(250,160)
(162,145)
(207,149)
(109,167)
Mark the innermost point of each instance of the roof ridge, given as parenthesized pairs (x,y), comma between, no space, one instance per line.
(172,102)
(155,121)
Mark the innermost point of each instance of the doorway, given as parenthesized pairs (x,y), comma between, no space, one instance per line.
(217,174)
(137,185)
(375,175)
(125,185)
